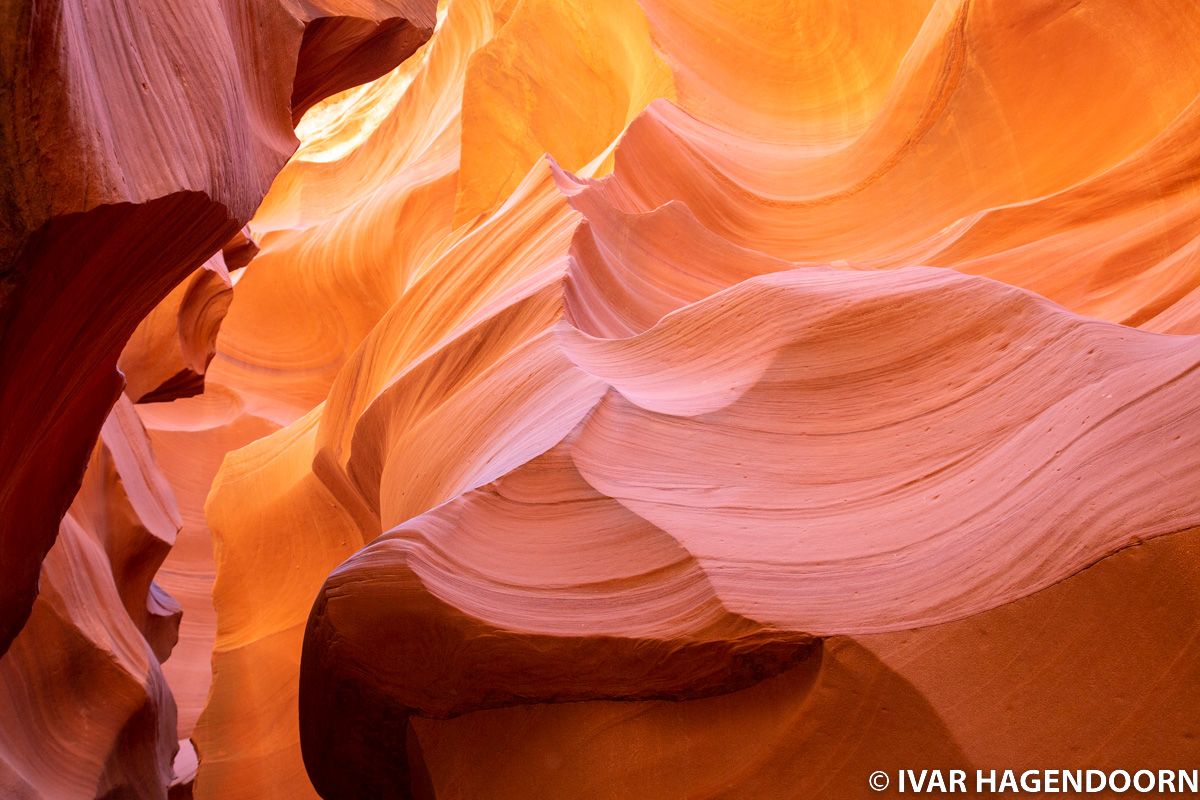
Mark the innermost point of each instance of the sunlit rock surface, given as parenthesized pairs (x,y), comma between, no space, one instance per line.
(138,136)
(607,399)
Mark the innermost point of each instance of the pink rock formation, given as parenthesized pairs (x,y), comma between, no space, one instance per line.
(887,483)
(169,351)
(1031,683)
(563,346)
(177,151)
(657,398)
(86,711)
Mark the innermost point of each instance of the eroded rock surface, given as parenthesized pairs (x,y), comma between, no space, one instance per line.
(607,398)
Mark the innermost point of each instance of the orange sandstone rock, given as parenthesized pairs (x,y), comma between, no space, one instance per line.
(624,324)
(620,399)
(1044,680)
(84,708)
(138,137)
(824,489)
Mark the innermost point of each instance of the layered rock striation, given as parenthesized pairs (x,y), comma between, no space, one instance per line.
(606,398)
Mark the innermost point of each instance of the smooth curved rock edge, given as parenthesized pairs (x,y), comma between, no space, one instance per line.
(896,488)
(120,181)
(87,253)
(659,398)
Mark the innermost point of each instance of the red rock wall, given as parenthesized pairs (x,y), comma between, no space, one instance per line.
(607,398)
